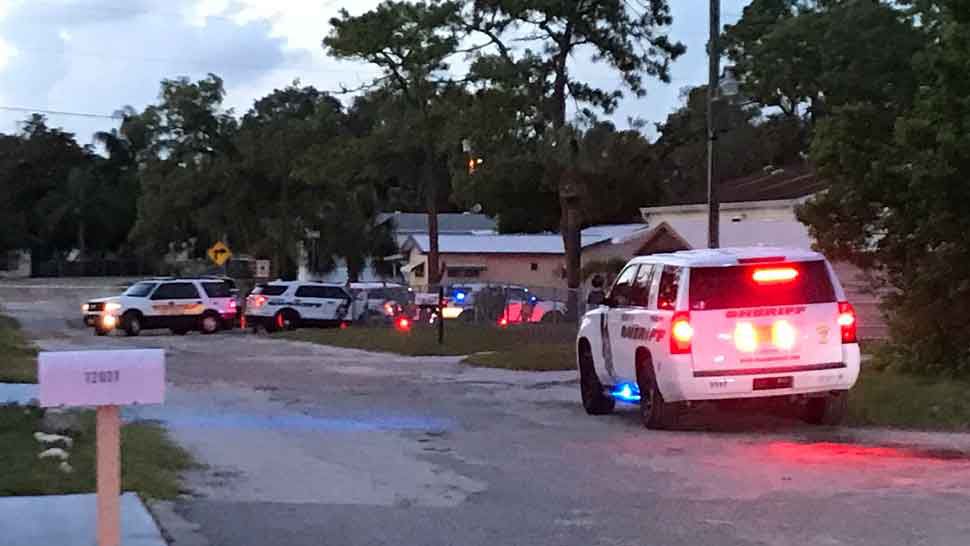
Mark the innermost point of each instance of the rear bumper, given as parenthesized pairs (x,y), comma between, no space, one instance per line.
(259,320)
(678,382)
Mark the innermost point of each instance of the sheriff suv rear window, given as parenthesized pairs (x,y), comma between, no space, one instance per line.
(270,289)
(792,283)
(217,289)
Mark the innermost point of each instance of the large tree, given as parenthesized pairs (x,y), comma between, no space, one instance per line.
(179,139)
(529,46)
(748,140)
(37,164)
(15,234)
(262,181)
(59,196)
(898,198)
(410,43)
(808,57)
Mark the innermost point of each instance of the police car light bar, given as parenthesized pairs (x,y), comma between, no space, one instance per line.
(762,260)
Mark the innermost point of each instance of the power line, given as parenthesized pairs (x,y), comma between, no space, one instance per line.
(59,112)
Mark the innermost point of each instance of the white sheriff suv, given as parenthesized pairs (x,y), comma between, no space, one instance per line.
(178,304)
(286,305)
(721,324)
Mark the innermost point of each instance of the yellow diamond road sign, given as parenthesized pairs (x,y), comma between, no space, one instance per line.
(219,253)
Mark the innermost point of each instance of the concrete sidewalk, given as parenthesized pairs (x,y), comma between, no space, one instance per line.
(69,520)
(18,393)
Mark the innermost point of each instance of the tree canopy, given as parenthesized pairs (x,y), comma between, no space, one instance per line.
(479,106)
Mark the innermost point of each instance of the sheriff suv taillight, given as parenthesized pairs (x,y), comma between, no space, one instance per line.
(847,322)
(681,333)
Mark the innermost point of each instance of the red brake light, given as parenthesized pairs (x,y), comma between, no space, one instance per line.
(847,322)
(232,306)
(774,275)
(403,324)
(681,333)
(257,300)
(503,322)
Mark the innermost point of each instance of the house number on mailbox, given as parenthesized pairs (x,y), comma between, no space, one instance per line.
(110,376)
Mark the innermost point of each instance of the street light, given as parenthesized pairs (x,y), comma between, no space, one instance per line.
(727,87)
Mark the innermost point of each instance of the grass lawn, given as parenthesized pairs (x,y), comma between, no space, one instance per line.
(891,399)
(536,357)
(150,462)
(460,338)
(18,359)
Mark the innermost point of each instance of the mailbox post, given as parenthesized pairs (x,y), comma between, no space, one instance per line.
(105,380)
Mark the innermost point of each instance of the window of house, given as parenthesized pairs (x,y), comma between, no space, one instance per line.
(464,272)
(534,266)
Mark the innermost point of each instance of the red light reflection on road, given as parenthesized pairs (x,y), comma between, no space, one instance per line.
(842,454)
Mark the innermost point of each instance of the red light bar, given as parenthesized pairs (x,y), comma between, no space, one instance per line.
(777,275)
(764,260)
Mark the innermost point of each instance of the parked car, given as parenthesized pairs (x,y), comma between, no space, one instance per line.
(378,302)
(179,304)
(721,325)
(523,306)
(287,305)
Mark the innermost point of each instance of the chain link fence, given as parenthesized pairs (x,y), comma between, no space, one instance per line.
(500,304)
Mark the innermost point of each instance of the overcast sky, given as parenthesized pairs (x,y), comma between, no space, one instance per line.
(95,56)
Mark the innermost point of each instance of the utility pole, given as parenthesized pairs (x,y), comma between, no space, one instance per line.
(714,75)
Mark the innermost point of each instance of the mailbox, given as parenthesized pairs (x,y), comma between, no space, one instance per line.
(106,379)
(102,378)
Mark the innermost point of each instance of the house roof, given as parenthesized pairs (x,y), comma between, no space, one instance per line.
(491,244)
(615,234)
(746,233)
(417,222)
(542,243)
(793,181)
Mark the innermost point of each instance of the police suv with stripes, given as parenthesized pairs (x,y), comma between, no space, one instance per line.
(286,305)
(721,324)
(206,304)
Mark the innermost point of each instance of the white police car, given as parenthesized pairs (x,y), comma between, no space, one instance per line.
(525,306)
(721,324)
(378,302)
(178,304)
(286,305)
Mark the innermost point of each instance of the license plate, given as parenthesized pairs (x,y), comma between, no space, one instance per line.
(769,383)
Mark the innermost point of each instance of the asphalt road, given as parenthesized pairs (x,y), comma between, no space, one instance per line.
(308,445)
